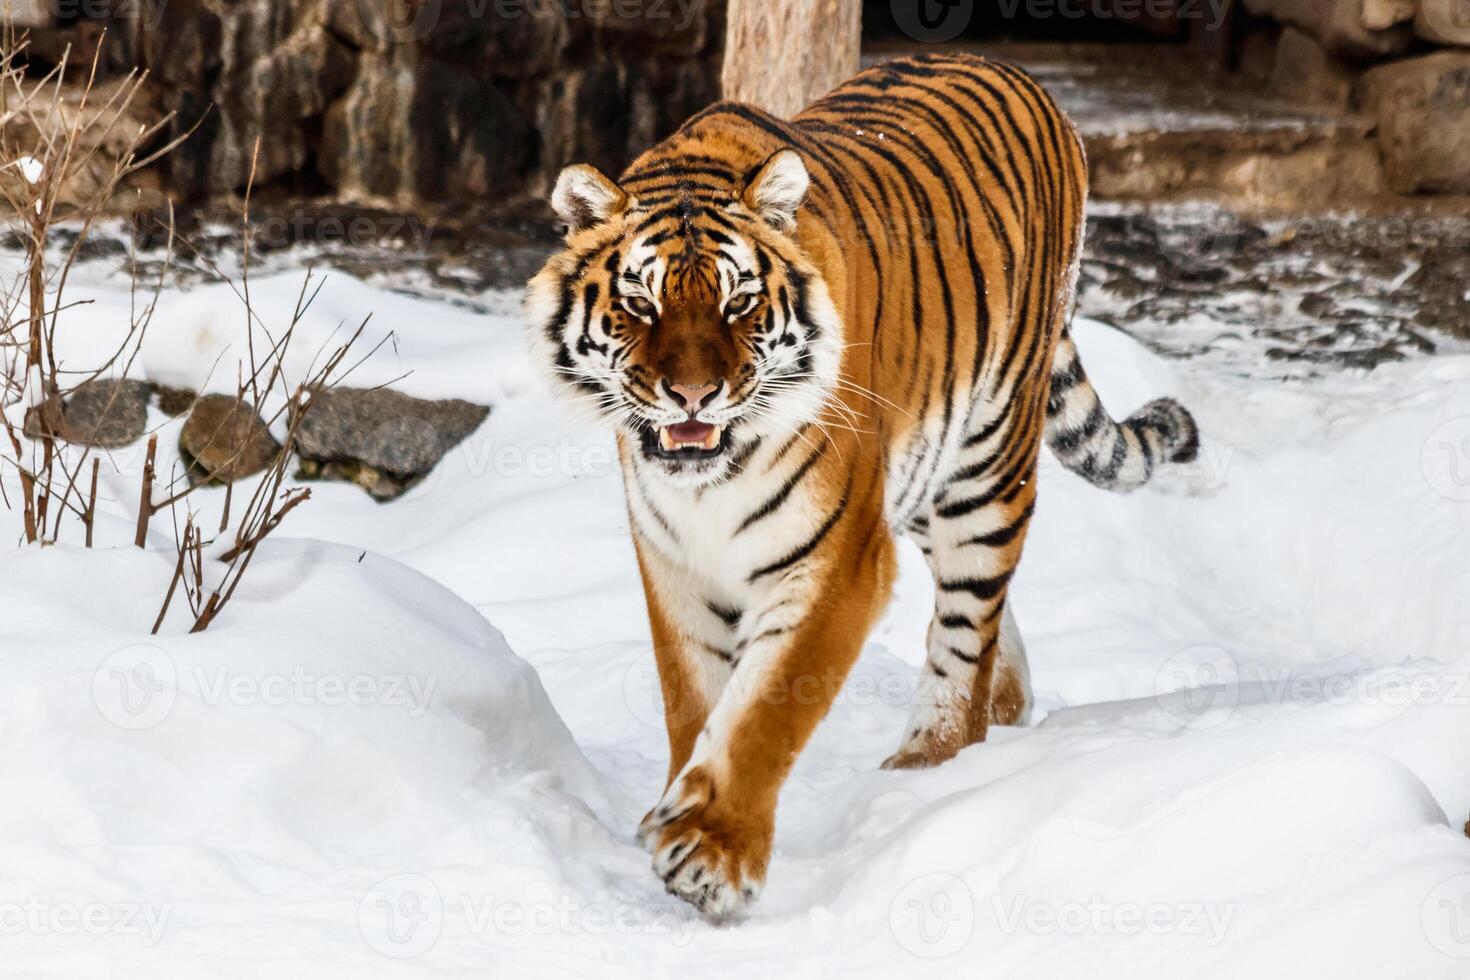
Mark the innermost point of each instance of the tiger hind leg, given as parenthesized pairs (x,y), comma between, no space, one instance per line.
(1010,693)
(976,673)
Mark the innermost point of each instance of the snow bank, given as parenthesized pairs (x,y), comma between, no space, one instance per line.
(1253,759)
(349,712)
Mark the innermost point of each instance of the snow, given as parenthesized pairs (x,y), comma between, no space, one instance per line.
(1253,676)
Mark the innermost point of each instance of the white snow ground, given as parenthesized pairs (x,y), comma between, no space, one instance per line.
(353,773)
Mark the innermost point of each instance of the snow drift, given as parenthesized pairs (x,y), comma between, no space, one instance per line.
(1253,760)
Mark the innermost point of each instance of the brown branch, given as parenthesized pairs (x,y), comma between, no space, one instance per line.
(173,583)
(91,518)
(145,498)
(270,525)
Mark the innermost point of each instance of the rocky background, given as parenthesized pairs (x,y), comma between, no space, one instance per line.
(1405,64)
(448,120)
(406,102)
(445,104)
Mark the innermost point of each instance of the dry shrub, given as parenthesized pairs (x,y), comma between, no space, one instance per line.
(66,147)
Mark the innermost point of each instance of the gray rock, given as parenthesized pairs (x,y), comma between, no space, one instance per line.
(1423,111)
(380,439)
(104,413)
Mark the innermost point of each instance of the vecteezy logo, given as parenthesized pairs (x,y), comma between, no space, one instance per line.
(933,916)
(1199,686)
(135,688)
(643,693)
(932,21)
(401,916)
(1446,459)
(1445,916)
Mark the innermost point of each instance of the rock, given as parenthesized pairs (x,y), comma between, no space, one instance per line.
(104,413)
(241,71)
(607,114)
(1444,21)
(78,42)
(1305,71)
(1380,15)
(1338,24)
(684,28)
(174,402)
(380,439)
(379,485)
(524,39)
(224,441)
(418,101)
(415,130)
(152,224)
(1277,170)
(1423,110)
(1256,54)
(23,14)
(1438,286)
(102,138)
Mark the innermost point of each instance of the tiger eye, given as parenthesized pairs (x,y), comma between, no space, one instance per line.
(639,307)
(741,305)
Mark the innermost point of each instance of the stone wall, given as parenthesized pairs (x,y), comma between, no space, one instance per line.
(1405,64)
(418,101)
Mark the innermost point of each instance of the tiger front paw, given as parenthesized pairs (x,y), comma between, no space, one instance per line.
(709,846)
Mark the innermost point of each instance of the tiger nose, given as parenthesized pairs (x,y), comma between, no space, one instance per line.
(693,397)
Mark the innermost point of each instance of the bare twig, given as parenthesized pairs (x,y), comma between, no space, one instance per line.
(145,496)
(178,576)
(91,519)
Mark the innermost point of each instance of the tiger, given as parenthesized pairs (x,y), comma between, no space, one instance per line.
(812,336)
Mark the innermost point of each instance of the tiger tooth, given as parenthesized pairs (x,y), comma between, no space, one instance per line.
(712,441)
(666,440)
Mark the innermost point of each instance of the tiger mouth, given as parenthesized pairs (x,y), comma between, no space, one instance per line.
(689,440)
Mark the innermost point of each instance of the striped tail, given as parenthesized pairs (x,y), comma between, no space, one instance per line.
(1112,455)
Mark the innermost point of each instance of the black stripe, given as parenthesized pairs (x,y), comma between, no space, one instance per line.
(779,497)
(804,550)
(1071,440)
(968,658)
(1003,536)
(983,589)
(729,615)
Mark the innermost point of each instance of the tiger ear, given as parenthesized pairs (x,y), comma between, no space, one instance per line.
(777,189)
(585,197)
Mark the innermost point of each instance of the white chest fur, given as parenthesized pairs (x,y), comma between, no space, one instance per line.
(712,536)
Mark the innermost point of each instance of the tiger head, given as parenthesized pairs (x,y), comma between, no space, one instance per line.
(686,314)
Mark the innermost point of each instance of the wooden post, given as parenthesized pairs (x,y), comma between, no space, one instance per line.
(782,54)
